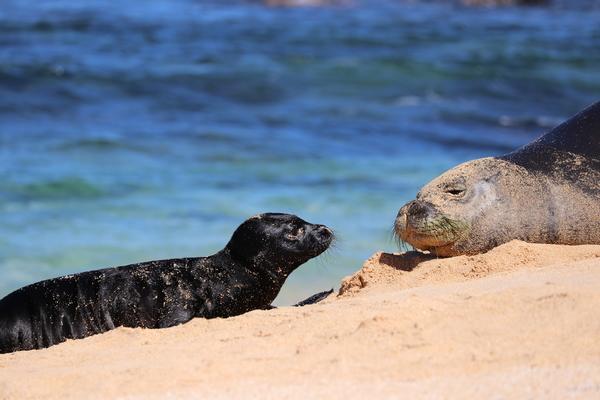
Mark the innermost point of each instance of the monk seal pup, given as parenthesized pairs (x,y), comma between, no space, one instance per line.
(545,192)
(246,275)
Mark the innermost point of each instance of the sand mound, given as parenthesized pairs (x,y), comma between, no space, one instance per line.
(415,269)
(527,328)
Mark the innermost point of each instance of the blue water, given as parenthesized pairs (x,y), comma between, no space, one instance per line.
(132,131)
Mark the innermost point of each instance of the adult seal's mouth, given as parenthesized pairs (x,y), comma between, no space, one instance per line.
(548,191)
(421,225)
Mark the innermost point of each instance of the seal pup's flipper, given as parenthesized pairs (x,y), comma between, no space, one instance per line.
(315,298)
(247,274)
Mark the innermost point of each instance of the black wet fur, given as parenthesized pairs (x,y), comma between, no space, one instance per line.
(246,275)
(555,154)
(315,298)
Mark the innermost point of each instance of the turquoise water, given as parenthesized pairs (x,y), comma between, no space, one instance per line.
(150,130)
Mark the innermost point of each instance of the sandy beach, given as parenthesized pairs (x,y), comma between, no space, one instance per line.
(519,321)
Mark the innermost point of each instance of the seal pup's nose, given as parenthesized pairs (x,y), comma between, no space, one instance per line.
(323,232)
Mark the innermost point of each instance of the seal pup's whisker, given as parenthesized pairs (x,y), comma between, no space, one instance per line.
(245,275)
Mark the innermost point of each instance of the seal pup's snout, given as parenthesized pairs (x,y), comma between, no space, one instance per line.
(321,237)
(323,232)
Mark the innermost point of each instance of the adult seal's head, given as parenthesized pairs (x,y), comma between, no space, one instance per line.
(277,243)
(545,192)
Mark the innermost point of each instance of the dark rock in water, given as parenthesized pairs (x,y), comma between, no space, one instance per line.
(498,3)
(304,3)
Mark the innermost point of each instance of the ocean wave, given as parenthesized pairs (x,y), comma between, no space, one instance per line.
(59,189)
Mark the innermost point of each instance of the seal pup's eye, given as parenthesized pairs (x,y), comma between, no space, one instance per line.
(295,234)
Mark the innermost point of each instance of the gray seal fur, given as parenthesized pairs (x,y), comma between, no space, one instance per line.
(548,191)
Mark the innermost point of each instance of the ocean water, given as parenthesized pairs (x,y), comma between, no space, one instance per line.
(133,131)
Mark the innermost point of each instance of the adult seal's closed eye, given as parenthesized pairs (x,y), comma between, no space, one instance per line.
(545,192)
(246,275)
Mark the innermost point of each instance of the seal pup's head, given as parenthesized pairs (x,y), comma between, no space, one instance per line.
(471,208)
(278,243)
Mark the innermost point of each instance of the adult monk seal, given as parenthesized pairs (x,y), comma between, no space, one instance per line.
(545,192)
(246,275)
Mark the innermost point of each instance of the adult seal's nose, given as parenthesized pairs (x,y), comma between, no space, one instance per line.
(418,209)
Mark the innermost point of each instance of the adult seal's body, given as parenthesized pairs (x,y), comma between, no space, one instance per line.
(545,192)
(246,275)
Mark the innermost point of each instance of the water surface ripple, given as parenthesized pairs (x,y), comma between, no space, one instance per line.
(149,130)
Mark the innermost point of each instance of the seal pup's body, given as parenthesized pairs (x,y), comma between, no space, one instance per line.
(545,192)
(246,275)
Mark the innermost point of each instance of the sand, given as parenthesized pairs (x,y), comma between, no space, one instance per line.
(522,321)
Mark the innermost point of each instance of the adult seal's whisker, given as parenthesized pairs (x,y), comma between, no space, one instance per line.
(545,192)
